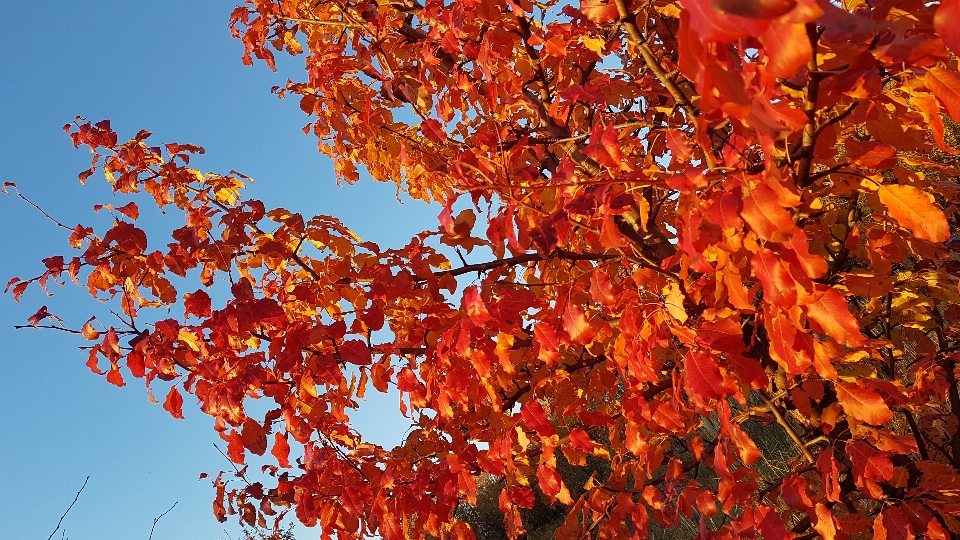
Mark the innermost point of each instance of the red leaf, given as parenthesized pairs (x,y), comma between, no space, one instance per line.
(793,490)
(235,447)
(356,352)
(552,485)
(770,524)
(253,436)
(679,145)
(945,24)
(702,377)
(830,472)
(871,155)
(545,334)
(114,377)
(130,210)
(580,440)
(604,147)
(40,315)
(536,418)
(197,303)
(863,403)
(174,403)
(92,359)
(755,9)
(476,309)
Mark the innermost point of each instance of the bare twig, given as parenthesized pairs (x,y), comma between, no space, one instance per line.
(33,204)
(156,519)
(68,330)
(69,507)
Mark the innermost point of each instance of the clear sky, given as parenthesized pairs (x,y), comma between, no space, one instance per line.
(170,67)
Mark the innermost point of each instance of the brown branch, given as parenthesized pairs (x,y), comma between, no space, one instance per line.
(653,64)
(525,258)
(954,395)
(301,262)
(31,203)
(917,435)
(335,24)
(787,427)
(69,330)
(156,519)
(510,401)
(69,507)
(811,95)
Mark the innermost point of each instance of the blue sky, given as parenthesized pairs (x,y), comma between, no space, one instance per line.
(170,67)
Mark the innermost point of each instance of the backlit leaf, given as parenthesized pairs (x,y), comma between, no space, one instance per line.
(863,403)
(914,209)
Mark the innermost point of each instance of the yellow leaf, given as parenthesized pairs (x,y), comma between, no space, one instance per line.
(190,339)
(595,44)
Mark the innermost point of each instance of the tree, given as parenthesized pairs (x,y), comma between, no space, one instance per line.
(702,218)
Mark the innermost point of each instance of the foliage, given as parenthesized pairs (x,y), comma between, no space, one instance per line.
(701,218)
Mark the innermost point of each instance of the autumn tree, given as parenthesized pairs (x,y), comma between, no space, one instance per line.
(699,223)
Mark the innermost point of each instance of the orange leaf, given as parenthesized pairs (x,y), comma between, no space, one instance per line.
(766,216)
(914,209)
(576,324)
(863,403)
(599,11)
(871,155)
(88,331)
(476,309)
(946,86)
(779,288)
(825,524)
(829,310)
(281,450)
(174,403)
(786,43)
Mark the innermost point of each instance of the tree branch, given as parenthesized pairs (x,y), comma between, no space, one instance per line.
(69,507)
(804,451)
(156,519)
(525,258)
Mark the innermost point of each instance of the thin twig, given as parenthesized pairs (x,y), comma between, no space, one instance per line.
(68,330)
(33,204)
(69,507)
(156,519)
(240,474)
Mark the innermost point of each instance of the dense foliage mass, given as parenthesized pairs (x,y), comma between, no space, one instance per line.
(693,219)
